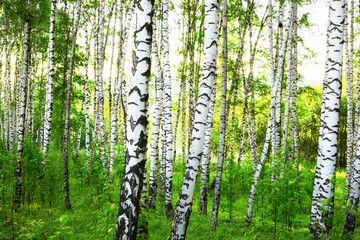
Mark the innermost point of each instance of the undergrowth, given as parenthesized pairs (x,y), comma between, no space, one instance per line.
(95,201)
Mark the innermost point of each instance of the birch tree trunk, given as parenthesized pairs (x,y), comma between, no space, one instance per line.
(78,139)
(49,82)
(272,108)
(206,156)
(320,221)
(184,204)
(4,81)
(154,145)
(100,86)
(288,89)
(22,109)
(293,119)
(95,99)
(68,108)
(112,61)
(8,92)
(126,223)
(87,97)
(349,42)
(353,192)
(216,202)
(119,80)
(167,115)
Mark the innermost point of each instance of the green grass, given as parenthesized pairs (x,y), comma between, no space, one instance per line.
(95,205)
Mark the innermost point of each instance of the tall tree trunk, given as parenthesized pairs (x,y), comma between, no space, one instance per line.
(206,156)
(8,92)
(95,99)
(167,113)
(126,223)
(216,202)
(78,139)
(349,43)
(272,108)
(22,109)
(87,97)
(119,79)
(184,204)
(320,221)
(294,91)
(100,85)
(154,146)
(288,89)
(68,108)
(112,61)
(49,82)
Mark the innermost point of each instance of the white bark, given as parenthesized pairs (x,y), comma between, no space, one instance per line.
(184,204)
(349,58)
(68,107)
(272,112)
(167,114)
(320,223)
(49,82)
(206,156)
(154,145)
(119,79)
(22,109)
(87,97)
(216,202)
(126,223)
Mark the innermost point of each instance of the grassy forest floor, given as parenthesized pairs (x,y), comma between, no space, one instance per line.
(95,203)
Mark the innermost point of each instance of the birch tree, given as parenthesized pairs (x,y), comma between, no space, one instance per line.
(167,115)
(100,99)
(119,80)
(135,154)
(274,89)
(216,202)
(50,76)
(354,192)
(22,109)
(206,156)
(87,97)
(349,45)
(154,145)
(184,204)
(320,222)
(68,108)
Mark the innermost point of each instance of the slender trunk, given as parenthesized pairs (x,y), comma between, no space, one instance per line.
(126,223)
(118,79)
(272,110)
(49,82)
(87,97)
(79,133)
(349,43)
(8,92)
(184,204)
(206,156)
(111,67)
(294,90)
(68,106)
(167,113)
(100,85)
(22,109)
(287,94)
(154,146)
(95,99)
(216,202)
